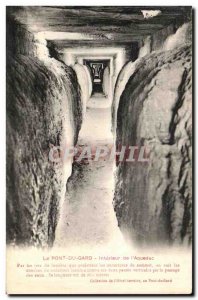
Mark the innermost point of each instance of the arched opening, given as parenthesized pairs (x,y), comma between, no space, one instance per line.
(97,69)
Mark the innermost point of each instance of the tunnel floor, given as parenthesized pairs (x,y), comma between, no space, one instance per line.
(87,217)
(98,100)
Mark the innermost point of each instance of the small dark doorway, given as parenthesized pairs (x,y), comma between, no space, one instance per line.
(96,68)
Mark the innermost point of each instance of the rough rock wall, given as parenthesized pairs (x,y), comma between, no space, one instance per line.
(182,36)
(18,38)
(83,81)
(159,37)
(123,77)
(106,81)
(165,40)
(90,85)
(153,199)
(43,110)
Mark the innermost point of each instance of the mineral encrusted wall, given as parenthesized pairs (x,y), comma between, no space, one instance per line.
(84,83)
(153,199)
(153,97)
(106,81)
(90,85)
(43,110)
(165,39)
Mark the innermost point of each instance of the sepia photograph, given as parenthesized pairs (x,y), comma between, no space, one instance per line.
(99,150)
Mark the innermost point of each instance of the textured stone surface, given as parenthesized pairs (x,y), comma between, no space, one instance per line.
(43,110)
(153,200)
(182,35)
(162,40)
(18,38)
(84,82)
(106,82)
(90,85)
(116,23)
(123,77)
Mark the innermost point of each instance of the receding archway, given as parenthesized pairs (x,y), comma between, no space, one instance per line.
(97,68)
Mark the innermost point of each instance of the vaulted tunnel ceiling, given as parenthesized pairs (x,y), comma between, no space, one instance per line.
(120,24)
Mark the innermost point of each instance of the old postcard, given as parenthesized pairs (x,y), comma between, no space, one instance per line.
(99,150)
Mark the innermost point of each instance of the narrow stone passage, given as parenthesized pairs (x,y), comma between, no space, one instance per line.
(87,216)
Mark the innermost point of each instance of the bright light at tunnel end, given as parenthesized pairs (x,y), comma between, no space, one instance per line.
(85,154)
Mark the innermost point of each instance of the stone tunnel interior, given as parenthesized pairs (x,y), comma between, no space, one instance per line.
(92,79)
(96,69)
